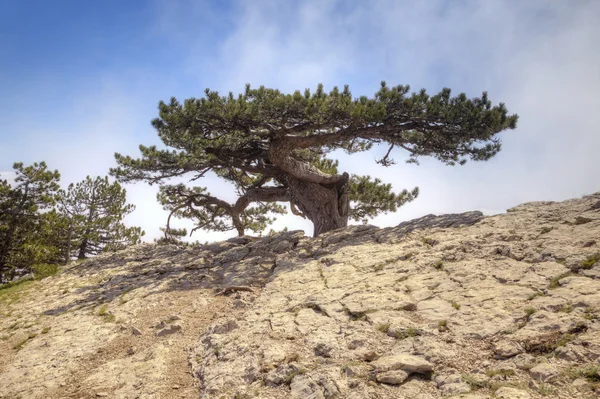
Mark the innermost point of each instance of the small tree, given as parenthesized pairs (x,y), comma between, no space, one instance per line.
(21,217)
(94,210)
(273,148)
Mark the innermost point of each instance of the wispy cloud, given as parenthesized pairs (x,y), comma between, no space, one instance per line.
(539,57)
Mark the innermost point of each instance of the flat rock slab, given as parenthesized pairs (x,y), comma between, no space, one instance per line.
(407,363)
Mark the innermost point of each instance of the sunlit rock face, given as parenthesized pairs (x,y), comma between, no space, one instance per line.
(463,305)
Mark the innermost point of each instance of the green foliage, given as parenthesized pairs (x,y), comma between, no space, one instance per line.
(502,372)
(443,325)
(44,270)
(92,213)
(407,333)
(534,295)
(273,147)
(369,198)
(42,226)
(22,222)
(590,261)
(555,281)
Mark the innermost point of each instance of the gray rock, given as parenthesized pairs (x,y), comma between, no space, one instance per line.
(543,372)
(392,377)
(226,327)
(303,387)
(172,329)
(507,349)
(442,221)
(511,393)
(408,363)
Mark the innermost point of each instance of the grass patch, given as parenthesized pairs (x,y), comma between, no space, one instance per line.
(14,325)
(439,265)
(473,382)
(455,305)
(590,261)
(323,277)
(122,299)
(589,314)
(555,281)
(45,330)
(384,328)
(105,314)
(43,270)
(504,373)
(547,343)
(290,376)
(19,345)
(103,310)
(442,325)
(11,292)
(531,297)
(565,308)
(407,333)
(590,373)
(546,230)
(429,242)
(529,312)
(545,389)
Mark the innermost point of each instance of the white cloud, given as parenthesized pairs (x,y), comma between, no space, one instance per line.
(539,57)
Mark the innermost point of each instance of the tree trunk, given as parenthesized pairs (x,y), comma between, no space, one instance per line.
(325,206)
(83,247)
(68,254)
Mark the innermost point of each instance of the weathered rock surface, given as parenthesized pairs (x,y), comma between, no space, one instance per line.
(458,305)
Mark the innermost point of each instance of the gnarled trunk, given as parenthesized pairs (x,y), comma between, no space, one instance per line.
(325,206)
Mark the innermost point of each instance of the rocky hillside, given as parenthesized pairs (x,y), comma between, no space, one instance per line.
(464,306)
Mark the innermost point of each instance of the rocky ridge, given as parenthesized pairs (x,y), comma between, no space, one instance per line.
(467,306)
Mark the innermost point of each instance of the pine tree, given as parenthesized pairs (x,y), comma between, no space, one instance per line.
(93,212)
(273,148)
(22,207)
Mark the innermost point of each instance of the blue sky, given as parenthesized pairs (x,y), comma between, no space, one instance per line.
(82,80)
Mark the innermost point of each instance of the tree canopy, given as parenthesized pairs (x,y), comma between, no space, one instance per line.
(274,147)
(94,210)
(41,225)
(22,221)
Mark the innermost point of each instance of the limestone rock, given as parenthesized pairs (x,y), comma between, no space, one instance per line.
(451,384)
(392,377)
(543,372)
(135,331)
(172,329)
(303,387)
(358,312)
(511,393)
(505,349)
(408,363)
